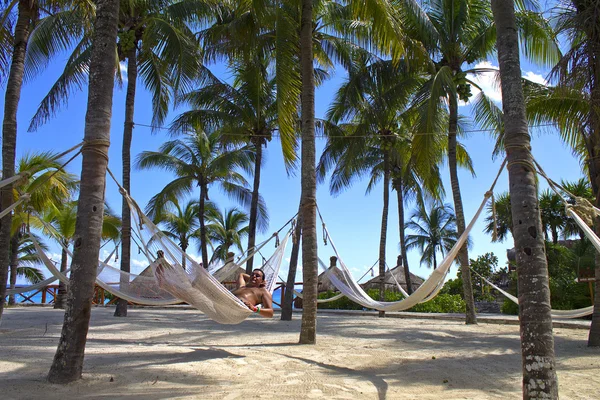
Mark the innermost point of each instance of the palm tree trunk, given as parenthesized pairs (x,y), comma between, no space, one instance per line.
(14,264)
(554,236)
(287,306)
(537,343)
(254,202)
(463,255)
(68,360)
(9,134)
(384,222)
(60,300)
(308,330)
(593,37)
(183,257)
(121,309)
(401,227)
(203,236)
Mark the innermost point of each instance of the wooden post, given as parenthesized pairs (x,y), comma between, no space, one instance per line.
(282,293)
(44,295)
(591,286)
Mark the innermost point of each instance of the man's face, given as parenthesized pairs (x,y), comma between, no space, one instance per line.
(256,278)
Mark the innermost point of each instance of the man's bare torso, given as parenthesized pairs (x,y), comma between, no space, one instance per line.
(252,295)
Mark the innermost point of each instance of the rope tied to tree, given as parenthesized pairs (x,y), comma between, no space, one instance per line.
(92,146)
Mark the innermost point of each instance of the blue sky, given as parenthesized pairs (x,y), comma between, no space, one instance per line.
(352,218)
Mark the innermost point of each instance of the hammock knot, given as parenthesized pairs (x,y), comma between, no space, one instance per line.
(25,175)
(585,209)
(324,234)
(276,240)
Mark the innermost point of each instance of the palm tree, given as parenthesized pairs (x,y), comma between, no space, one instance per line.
(500,215)
(456,34)
(376,139)
(29,259)
(409,187)
(25,19)
(435,231)
(553,214)
(63,218)
(68,360)
(226,230)
(158,46)
(537,343)
(580,188)
(181,221)
(201,160)
(47,184)
(26,261)
(308,201)
(574,103)
(28,15)
(245,111)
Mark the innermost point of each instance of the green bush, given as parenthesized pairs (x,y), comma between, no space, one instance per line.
(443,303)
(509,307)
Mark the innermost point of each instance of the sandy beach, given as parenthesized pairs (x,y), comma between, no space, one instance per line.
(180,354)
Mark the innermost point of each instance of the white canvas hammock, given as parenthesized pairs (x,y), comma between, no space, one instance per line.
(343,281)
(186,280)
(40,285)
(340,295)
(589,233)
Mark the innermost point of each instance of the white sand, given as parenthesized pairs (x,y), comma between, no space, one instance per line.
(178,353)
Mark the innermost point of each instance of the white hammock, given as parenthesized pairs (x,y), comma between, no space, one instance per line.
(46,282)
(186,280)
(578,313)
(342,278)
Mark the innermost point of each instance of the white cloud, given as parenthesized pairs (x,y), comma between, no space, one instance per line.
(489,81)
(123,70)
(537,78)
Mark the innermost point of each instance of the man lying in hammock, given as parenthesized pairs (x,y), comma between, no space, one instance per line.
(251,290)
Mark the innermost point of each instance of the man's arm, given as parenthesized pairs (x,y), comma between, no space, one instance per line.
(266,307)
(242,280)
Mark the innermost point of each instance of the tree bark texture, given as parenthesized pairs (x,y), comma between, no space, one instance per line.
(121,309)
(68,360)
(9,134)
(288,300)
(384,222)
(61,296)
(308,330)
(14,264)
(537,342)
(203,235)
(592,32)
(463,255)
(401,227)
(258,143)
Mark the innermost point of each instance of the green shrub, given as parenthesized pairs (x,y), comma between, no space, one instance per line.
(509,307)
(443,303)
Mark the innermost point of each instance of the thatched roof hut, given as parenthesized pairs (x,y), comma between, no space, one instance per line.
(416,281)
(390,283)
